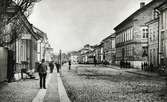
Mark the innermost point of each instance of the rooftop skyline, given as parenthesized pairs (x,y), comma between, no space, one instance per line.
(70,24)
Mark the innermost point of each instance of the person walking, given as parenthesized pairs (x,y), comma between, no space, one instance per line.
(95,61)
(69,63)
(51,65)
(42,69)
(57,67)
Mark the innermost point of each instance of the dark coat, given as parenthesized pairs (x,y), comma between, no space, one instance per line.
(42,68)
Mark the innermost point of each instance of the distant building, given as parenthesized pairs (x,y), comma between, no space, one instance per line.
(85,54)
(74,56)
(48,52)
(109,49)
(132,35)
(99,53)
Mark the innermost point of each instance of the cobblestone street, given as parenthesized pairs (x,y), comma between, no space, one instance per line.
(87,83)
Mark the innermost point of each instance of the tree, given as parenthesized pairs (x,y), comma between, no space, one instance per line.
(25,6)
(10,26)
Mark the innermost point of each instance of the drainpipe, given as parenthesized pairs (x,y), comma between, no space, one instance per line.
(158,52)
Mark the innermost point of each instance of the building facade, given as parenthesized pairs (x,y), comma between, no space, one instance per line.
(163,33)
(26,46)
(85,54)
(99,53)
(109,49)
(153,41)
(41,43)
(132,35)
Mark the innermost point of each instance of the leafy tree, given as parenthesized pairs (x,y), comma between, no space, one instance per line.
(10,25)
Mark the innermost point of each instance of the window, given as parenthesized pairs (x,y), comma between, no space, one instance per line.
(164,20)
(145,32)
(150,35)
(154,14)
(145,51)
(151,55)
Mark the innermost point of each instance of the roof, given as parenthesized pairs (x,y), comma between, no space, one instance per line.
(162,6)
(137,12)
(39,33)
(110,36)
(28,25)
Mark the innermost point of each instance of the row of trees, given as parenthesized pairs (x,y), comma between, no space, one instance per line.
(10,26)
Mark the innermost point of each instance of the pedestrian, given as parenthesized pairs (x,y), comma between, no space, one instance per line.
(42,69)
(121,64)
(95,61)
(69,63)
(142,66)
(51,65)
(129,65)
(57,67)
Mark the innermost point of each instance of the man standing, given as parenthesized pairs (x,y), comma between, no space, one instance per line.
(69,63)
(42,69)
(51,65)
(57,67)
(95,61)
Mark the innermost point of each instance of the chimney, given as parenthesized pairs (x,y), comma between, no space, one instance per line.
(142,4)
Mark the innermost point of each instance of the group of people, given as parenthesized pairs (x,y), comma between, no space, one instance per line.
(125,64)
(42,70)
(147,67)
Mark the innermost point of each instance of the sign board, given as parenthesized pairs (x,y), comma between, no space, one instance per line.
(26,36)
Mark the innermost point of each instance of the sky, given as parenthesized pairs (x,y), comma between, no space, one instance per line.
(71,24)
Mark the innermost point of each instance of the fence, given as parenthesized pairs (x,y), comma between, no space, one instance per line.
(3,64)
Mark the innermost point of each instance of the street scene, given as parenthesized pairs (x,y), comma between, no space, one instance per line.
(83,51)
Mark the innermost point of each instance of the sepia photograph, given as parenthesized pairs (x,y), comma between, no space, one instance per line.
(83,50)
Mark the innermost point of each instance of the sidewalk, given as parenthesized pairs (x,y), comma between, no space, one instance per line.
(55,91)
(19,91)
(28,90)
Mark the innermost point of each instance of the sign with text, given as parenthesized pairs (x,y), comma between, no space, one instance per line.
(26,36)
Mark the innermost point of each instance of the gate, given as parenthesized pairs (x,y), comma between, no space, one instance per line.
(3,64)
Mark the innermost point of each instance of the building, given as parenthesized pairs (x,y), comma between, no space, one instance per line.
(26,46)
(48,52)
(99,53)
(162,10)
(41,43)
(84,54)
(109,49)
(73,56)
(153,27)
(132,35)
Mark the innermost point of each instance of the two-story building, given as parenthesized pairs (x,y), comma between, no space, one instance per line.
(132,35)
(153,35)
(162,9)
(109,49)
(98,49)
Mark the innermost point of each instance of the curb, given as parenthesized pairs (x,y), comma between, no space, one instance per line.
(62,92)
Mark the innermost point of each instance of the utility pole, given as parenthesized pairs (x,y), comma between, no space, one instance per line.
(60,62)
(60,58)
